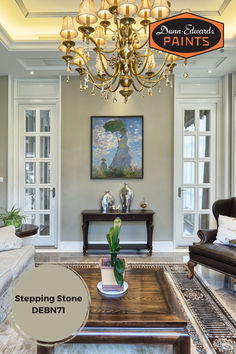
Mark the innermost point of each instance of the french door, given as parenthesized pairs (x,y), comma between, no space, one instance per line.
(194,187)
(38,170)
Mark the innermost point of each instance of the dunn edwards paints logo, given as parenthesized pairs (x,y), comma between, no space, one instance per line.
(186,35)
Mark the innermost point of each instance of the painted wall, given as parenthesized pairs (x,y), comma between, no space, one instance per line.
(3,139)
(80,192)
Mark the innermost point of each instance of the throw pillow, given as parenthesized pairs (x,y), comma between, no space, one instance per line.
(226,230)
(8,239)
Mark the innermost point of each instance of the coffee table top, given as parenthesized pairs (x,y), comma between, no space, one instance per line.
(149,301)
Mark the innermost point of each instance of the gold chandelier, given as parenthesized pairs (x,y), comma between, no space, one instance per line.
(130,64)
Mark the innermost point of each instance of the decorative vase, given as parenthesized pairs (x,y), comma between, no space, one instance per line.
(108,278)
(107,202)
(143,204)
(126,196)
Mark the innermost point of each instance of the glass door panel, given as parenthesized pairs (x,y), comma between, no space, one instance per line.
(30,172)
(38,173)
(196,189)
(189,146)
(45,146)
(30,120)
(204,120)
(30,147)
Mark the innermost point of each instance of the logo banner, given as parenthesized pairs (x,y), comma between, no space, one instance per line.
(186,35)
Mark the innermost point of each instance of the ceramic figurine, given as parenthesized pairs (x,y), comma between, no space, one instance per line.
(126,196)
(107,202)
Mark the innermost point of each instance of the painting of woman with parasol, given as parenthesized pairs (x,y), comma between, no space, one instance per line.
(119,142)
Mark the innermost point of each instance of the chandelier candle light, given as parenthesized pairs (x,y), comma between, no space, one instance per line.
(129,65)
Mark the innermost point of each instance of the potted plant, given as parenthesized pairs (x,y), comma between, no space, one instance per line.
(12,217)
(113,268)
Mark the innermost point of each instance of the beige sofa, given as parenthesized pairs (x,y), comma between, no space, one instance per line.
(13,263)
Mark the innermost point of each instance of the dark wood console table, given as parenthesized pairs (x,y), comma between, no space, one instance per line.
(27,230)
(133,215)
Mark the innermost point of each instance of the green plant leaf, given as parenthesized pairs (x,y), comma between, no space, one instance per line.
(109,240)
(120,265)
(110,237)
(118,276)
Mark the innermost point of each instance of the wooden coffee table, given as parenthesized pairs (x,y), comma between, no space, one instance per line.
(147,314)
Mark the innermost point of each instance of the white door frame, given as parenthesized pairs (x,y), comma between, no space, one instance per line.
(35,92)
(178,153)
(206,90)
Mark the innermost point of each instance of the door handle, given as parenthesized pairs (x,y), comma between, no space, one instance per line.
(180,190)
(53,190)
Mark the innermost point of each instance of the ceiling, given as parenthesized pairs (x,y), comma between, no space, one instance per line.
(29,36)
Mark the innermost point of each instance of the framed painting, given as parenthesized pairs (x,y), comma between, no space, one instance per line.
(116,147)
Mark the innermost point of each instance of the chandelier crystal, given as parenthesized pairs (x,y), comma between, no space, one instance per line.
(122,59)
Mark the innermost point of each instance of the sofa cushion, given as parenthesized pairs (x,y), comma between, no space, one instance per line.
(17,260)
(226,230)
(8,238)
(222,253)
(5,279)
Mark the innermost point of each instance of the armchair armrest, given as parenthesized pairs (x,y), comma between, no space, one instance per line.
(207,236)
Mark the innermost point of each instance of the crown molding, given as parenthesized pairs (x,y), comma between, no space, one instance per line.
(36,45)
(22,7)
(27,14)
(224,5)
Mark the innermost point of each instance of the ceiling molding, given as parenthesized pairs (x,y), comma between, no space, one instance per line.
(5,39)
(26,13)
(223,6)
(50,14)
(219,62)
(200,13)
(12,45)
(40,67)
(22,7)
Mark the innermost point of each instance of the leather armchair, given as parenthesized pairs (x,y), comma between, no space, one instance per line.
(225,207)
(216,256)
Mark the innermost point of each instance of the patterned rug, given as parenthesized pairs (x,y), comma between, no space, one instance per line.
(211,327)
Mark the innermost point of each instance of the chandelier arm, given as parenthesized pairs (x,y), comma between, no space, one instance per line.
(143,45)
(93,81)
(147,80)
(93,75)
(99,52)
(108,51)
(145,56)
(111,90)
(136,89)
(88,68)
(99,86)
(155,74)
(135,72)
(161,78)
(110,29)
(142,83)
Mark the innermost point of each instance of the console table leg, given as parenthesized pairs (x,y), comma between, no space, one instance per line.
(149,225)
(85,228)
